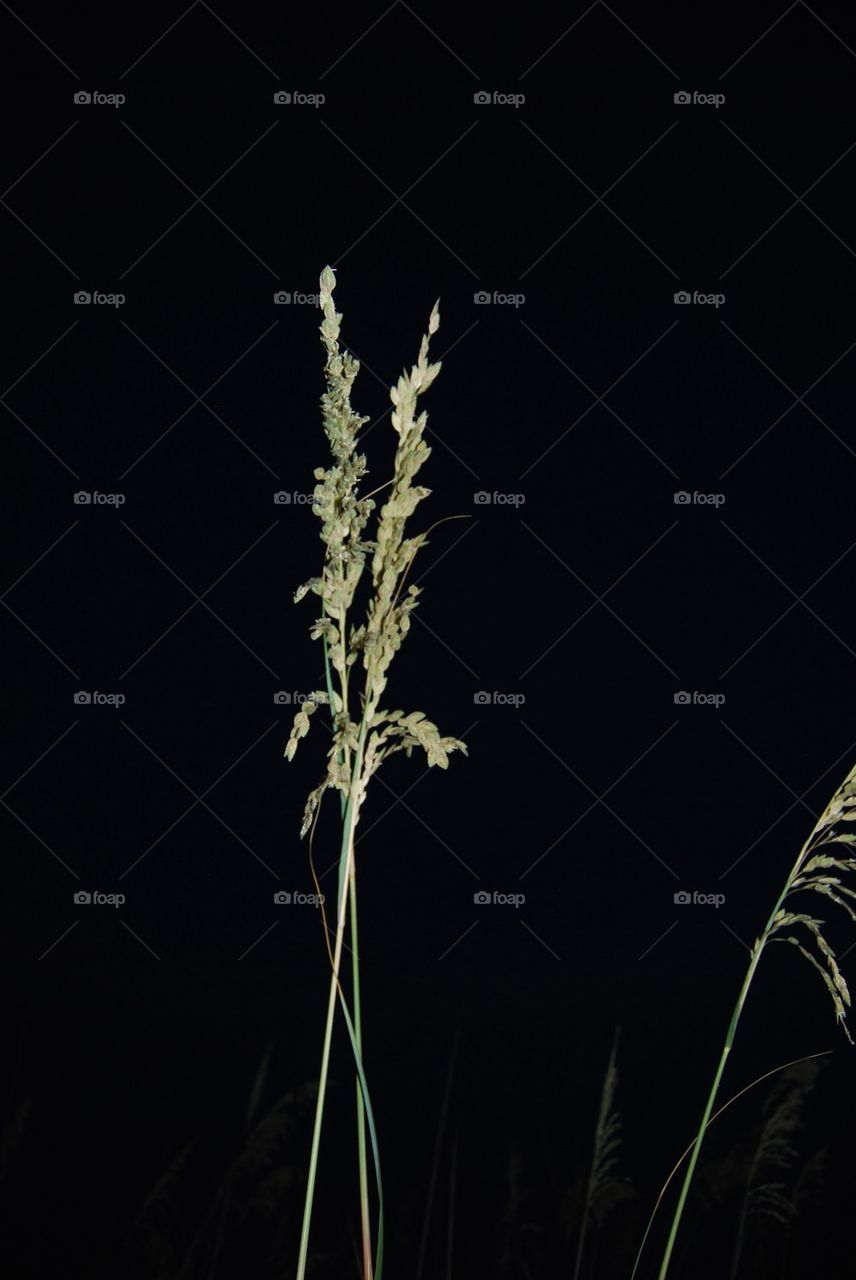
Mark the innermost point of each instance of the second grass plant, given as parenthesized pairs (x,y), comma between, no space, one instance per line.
(356,661)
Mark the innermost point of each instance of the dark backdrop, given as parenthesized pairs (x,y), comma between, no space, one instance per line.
(669,514)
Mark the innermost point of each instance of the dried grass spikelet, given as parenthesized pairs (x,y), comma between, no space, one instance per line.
(811,874)
(344,518)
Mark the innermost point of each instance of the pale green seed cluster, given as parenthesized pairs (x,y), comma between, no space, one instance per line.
(344,517)
(811,874)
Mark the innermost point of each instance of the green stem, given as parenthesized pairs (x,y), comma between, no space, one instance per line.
(729,1040)
(361,1121)
(361,1112)
(759,1080)
(346,859)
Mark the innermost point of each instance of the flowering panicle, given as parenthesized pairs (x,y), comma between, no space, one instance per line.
(344,517)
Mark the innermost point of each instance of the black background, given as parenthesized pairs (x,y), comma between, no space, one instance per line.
(596,598)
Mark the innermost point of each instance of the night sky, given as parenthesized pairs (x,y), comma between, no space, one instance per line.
(641,229)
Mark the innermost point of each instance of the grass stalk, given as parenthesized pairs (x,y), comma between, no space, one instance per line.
(809,874)
(365,1219)
(689,1147)
(601,1184)
(347,844)
(360,746)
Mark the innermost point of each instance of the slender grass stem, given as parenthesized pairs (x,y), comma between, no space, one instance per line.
(361,1112)
(347,853)
(360,747)
(688,1149)
(809,872)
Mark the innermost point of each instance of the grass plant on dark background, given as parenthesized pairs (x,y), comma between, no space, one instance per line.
(640,228)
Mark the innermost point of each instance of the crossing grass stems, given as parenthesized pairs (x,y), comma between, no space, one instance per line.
(364,735)
(356,661)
